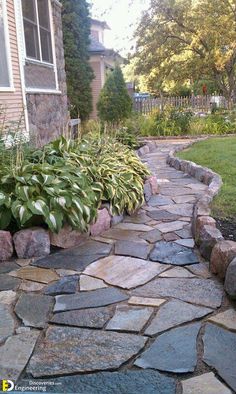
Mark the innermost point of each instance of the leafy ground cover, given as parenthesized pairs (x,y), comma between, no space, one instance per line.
(219,154)
(67,181)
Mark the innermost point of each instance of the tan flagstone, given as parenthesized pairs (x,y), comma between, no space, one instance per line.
(62,272)
(125,272)
(35,274)
(133,227)
(88,283)
(154,302)
(177,272)
(23,262)
(171,226)
(7,297)
(31,286)
(225,319)
(204,384)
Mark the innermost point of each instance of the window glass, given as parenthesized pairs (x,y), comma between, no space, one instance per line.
(43,14)
(4,71)
(28,7)
(31,40)
(46,45)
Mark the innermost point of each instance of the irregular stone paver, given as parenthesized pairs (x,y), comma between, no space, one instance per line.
(155,302)
(177,272)
(125,272)
(180,209)
(225,319)
(204,384)
(7,297)
(66,285)
(92,318)
(151,382)
(183,199)
(24,262)
(185,233)
(197,291)
(133,227)
(87,283)
(152,236)
(169,237)
(35,274)
(170,226)
(8,283)
(68,350)
(163,215)
(139,218)
(7,323)
(173,351)
(92,299)
(129,318)
(31,286)
(8,266)
(15,354)
(159,201)
(171,253)
(189,243)
(34,309)
(133,249)
(62,272)
(118,234)
(220,352)
(176,191)
(77,258)
(173,314)
(200,269)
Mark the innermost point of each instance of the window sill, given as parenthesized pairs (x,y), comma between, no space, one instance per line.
(7,90)
(39,63)
(43,91)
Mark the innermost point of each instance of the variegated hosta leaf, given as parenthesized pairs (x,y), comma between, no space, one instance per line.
(21,212)
(23,192)
(54,221)
(38,207)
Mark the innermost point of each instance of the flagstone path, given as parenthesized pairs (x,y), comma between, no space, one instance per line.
(134,310)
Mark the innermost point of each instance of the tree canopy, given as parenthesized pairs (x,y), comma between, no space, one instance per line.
(76,33)
(114,102)
(181,40)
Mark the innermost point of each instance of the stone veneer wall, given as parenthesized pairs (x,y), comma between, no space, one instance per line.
(48,113)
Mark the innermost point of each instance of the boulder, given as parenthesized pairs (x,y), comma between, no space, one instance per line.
(67,238)
(6,245)
(208,237)
(32,242)
(202,221)
(151,186)
(222,255)
(230,279)
(102,223)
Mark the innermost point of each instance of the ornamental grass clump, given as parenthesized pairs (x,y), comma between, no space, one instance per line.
(67,181)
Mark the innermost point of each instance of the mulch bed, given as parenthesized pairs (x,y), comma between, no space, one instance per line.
(227,228)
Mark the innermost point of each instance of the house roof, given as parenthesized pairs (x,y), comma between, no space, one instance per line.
(96,46)
(103,24)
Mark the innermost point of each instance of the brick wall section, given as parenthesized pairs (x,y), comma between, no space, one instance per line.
(96,86)
(48,113)
(12,101)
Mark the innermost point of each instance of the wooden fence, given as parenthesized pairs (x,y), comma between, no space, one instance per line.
(195,103)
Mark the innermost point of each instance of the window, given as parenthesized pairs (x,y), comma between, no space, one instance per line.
(37,30)
(4,60)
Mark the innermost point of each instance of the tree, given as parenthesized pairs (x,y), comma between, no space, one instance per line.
(189,40)
(114,103)
(76,33)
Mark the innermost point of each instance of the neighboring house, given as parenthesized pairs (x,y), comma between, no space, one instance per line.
(32,69)
(101,60)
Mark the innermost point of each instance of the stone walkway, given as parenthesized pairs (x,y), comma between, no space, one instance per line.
(135,310)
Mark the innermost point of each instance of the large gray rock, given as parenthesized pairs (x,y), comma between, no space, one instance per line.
(91,299)
(172,253)
(174,351)
(91,318)
(222,255)
(173,314)
(196,291)
(67,238)
(220,352)
(15,354)
(32,242)
(8,283)
(67,350)
(208,238)
(34,309)
(76,258)
(102,223)
(6,245)
(151,382)
(230,279)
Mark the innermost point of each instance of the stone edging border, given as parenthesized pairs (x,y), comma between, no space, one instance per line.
(212,246)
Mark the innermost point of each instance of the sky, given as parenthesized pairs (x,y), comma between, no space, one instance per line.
(122,16)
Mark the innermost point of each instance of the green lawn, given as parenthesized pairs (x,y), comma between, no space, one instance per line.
(219,154)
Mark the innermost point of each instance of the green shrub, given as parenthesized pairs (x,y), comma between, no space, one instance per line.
(66,182)
(114,103)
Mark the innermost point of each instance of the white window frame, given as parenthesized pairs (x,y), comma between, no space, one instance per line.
(9,88)
(43,63)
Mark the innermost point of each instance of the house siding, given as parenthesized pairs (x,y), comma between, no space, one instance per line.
(96,84)
(48,113)
(12,102)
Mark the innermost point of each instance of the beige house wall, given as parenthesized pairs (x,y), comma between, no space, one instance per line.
(96,63)
(12,100)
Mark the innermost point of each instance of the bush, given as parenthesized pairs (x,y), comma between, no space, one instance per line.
(114,103)
(66,182)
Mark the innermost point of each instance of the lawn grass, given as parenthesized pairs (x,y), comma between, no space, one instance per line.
(219,154)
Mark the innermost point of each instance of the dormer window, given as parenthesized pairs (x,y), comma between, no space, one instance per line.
(38,42)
